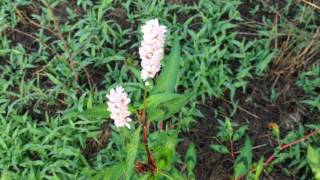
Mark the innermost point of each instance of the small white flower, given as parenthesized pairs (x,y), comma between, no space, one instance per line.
(118,102)
(151,50)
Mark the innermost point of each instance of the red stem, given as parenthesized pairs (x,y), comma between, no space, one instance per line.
(161,126)
(232,150)
(151,163)
(286,146)
(145,141)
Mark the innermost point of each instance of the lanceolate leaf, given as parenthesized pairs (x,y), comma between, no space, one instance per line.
(167,79)
(244,160)
(165,153)
(259,169)
(239,133)
(113,172)
(132,153)
(99,111)
(191,160)
(163,106)
(313,158)
(220,148)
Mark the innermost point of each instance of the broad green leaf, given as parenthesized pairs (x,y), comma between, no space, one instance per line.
(102,8)
(167,79)
(220,148)
(164,175)
(244,161)
(53,79)
(313,158)
(8,51)
(145,176)
(113,172)
(3,144)
(132,153)
(4,51)
(239,133)
(155,100)
(8,175)
(259,169)
(163,106)
(240,170)
(99,111)
(262,65)
(165,153)
(315,102)
(90,101)
(191,160)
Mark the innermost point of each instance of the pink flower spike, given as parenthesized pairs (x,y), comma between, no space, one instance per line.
(151,51)
(118,102)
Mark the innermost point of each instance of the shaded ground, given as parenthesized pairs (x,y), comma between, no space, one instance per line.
(255,111)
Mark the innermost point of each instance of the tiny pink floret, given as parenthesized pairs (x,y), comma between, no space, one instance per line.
(151,50)
(118,102)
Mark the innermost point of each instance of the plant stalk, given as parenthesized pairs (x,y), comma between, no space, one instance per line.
(232,150)
(151,163)
(286,146)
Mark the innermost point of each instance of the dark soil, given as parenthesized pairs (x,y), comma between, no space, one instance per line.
(119,16)
(256,111)
(185,2)
(93,147)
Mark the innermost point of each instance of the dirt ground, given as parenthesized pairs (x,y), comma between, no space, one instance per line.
(257,113)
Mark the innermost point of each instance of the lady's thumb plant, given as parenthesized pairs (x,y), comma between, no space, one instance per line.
(159,101)
(151,53)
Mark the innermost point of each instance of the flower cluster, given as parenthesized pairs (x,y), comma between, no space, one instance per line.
(118,106)
(151,53)
(152,48)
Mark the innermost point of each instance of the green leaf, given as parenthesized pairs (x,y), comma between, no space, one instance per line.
(165,153)
(53,79)
(99,111)
(315,102)
(313,159)
(240,170)
(191,160)
(163,106)
(8,175)
(167,79)
(259,169)
(220,148)
(244,161)
(132,153)
(4,52)
(239,133)
(8,51)
(90,101)
(113,172)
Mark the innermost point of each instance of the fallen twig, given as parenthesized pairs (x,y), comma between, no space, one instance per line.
(65,43)
(311,4)
(242,109)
